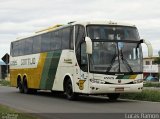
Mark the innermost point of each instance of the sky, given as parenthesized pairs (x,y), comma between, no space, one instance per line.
(22,17)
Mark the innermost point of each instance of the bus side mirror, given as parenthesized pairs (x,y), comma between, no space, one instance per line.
(150,49)
(88,45)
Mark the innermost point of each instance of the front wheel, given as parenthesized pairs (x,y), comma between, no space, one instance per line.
(68,90)
(113,96)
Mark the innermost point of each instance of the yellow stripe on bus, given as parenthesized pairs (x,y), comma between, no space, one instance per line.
(132,76)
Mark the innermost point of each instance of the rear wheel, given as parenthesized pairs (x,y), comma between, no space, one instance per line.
(20,86)
(113,96)
(25,86)
(26,89)
(69,90)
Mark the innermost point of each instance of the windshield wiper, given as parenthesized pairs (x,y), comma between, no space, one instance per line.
(112,62)
(125,62)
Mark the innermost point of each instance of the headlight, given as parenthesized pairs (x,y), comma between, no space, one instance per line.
(138,81)
(97,81)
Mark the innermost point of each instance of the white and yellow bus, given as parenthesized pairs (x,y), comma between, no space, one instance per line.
(80,58)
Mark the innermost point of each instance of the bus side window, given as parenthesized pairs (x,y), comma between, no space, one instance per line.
(21,47)
(37,44)
(16,45)
(52,43)
(65,38)
(28,46)
(11,49)
(79,38)
(83,57)
(58,39)
(45,42)
(71,38)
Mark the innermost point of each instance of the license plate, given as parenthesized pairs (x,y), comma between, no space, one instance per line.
(119,89)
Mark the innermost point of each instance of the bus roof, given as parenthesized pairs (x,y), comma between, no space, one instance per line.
(104,23)
(84,23)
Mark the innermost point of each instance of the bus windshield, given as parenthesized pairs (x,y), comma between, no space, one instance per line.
(112,32)
(115,49)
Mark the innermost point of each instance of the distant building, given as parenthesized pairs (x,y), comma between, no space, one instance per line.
(150,67)
(3,70)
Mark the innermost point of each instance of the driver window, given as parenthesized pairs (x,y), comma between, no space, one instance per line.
(84,61)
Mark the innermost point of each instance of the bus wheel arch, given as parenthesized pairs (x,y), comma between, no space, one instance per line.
(68,88)
(67,77)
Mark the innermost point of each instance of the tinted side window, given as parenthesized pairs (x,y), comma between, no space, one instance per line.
(84,61)
(71,38)
(45,42)
(37,44)
(15,48)
(21,47)
(28,46)
(62,39)
(11,49)
(79,38)
(53,41)
(66,38)
(57,40)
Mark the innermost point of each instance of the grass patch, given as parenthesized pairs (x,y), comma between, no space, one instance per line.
(4,83)
(151,84)
(9,113)
(5,109)
(145,95)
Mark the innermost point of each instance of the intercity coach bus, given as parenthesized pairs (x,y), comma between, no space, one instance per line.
(80,58)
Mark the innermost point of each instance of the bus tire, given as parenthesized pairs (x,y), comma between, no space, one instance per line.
(20,85)
(25,86)
(68,90)
(113,96)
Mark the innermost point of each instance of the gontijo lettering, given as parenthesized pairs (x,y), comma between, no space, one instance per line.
(28,61)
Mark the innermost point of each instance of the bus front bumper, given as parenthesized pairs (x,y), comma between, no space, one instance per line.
(115,88)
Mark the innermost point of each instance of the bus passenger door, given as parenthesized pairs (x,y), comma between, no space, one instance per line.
(81,68)
(82,73)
